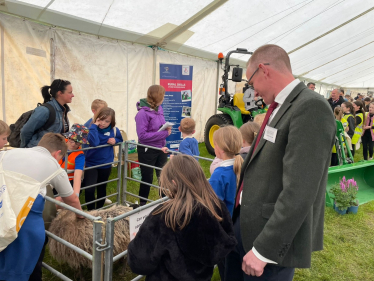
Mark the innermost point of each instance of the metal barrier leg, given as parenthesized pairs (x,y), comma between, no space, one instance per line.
(124,184)
(119,171)
(108,269)
(96,255)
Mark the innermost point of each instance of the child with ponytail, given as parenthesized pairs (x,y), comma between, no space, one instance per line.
(227,144)
(249,132)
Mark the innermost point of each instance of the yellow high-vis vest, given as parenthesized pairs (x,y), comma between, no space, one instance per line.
(358,129)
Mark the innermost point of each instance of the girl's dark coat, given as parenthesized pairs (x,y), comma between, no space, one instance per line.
(188,254)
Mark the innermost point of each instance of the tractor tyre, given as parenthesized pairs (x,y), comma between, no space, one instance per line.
(212,125)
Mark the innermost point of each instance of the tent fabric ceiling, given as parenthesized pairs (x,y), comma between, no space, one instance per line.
(331,41)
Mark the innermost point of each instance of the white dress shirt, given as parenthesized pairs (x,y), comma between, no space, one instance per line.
(280,98)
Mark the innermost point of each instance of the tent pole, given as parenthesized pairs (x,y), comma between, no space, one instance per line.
(154,65)
(52,52)
(2,72)
(332,30)
(190,22)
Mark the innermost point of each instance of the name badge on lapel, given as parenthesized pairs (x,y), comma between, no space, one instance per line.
(270,134)
(107,134)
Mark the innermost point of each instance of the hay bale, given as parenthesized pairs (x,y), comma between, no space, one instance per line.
(79,232)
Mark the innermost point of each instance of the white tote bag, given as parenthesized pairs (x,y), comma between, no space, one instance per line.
(17,195)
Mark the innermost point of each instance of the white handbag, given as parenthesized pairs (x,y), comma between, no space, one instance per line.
(17,195)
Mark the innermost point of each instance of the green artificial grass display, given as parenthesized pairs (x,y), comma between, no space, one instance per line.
(348,242)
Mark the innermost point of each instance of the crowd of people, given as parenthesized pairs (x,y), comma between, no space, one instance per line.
(356,116)
(258,217)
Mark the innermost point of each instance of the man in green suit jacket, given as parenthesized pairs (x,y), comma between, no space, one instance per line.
(279,215)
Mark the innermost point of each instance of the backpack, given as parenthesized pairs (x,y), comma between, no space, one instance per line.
(14,138)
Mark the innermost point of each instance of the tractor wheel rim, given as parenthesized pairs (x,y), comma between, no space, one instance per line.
(211,132)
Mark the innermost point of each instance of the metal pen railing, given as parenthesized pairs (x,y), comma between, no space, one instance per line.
(106,247)
(110,225)
(96,252)
(97,247)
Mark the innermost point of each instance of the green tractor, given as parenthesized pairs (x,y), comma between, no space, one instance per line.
(236,109)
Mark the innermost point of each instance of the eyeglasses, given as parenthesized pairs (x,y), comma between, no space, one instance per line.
(249,80)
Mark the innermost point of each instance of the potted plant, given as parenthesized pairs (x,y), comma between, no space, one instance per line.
(352,189)
(342,198)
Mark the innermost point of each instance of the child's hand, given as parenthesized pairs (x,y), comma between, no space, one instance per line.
(97,123)
(112,141)
(171,156)
(164,149)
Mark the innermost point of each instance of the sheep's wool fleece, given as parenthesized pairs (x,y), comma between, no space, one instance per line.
(79,232)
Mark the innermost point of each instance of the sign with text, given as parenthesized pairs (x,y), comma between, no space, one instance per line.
(136,220)
(177,81)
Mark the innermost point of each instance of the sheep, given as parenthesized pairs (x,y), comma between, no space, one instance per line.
(79,232)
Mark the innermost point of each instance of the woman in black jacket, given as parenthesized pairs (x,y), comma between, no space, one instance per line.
(186,236)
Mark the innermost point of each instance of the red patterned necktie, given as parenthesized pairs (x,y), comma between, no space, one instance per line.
(268,114)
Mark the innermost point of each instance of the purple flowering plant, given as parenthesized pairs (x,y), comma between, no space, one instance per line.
(345,193)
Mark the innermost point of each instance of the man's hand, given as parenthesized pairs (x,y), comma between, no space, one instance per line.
(252,265)
(112,141)
(164,150)
(169,131)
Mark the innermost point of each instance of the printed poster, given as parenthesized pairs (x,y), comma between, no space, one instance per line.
(177,81)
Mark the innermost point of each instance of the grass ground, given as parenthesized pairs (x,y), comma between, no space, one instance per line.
(348,243)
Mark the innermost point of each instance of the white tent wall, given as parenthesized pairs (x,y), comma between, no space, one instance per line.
(140,73)
(97,69)
(203,86)
(355,91)
(26,49)
(115,71)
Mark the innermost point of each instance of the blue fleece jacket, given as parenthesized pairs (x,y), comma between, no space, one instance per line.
(88,123)
(103,155)
(223,181)
(189,146)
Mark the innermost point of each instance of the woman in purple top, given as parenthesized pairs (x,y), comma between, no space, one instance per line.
(149,119)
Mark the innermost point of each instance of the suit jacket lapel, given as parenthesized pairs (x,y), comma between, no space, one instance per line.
(282,110)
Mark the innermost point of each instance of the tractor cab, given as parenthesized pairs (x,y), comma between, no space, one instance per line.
(236,109)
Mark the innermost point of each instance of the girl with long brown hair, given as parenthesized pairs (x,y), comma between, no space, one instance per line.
(183,238)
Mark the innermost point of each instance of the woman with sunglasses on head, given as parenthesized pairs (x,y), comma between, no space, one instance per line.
(56,97)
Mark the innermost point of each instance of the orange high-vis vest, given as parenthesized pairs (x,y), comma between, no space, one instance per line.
(71,163)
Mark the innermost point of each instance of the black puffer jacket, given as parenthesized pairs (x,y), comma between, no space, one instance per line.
(189,254)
